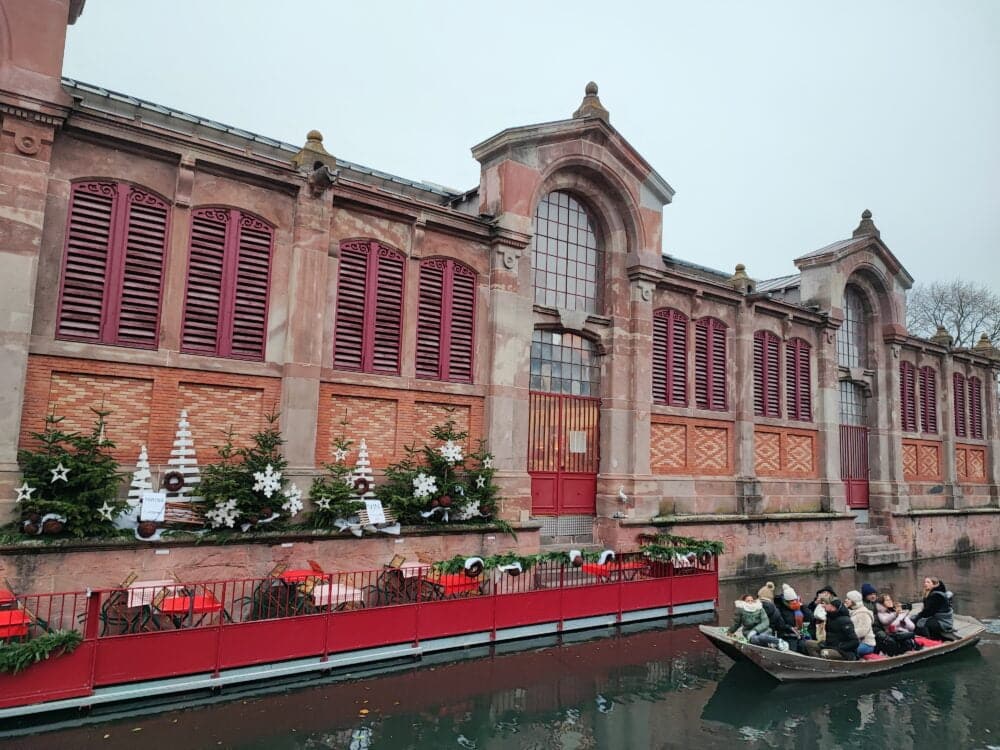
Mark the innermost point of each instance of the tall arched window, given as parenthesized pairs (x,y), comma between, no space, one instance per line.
(565,255)
(852,338)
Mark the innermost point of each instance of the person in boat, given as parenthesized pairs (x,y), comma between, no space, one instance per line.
(863,621)
(870,594)
(840,641)
(751,621)
(936,619)
(815,608)
(793,617)
(892,615)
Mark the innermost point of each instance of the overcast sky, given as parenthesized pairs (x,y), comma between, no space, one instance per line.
(777,123)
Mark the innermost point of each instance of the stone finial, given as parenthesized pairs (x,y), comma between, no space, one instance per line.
(740,281)
(942,337)
(313,152)
(591,106)
(867,226)
(984,346)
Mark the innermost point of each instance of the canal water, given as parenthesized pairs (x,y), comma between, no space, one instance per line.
(660,687)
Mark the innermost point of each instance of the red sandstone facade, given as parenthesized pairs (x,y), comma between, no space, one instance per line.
(537,309)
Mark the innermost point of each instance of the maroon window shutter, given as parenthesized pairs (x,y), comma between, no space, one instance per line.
(89,232)
(928,400)
(430,336)
(975,408)
(670,357)
(204,304)
(250,296)
(384,326)
(798,380)
(907,397)
(717,352)
(766,348)
(461,336)
(661,326)
(352,290)
(701,364)
(958,385)
(710,364)
(759,376)
(136,310)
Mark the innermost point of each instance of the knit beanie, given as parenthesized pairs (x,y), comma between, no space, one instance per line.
(766,591)
(788,593)
(867,589)
(855,596)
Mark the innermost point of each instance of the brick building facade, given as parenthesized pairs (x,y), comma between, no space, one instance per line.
(156,261)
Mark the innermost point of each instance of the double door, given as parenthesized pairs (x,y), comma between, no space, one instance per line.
(563,456)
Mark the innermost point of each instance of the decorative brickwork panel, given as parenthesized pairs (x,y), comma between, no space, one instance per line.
(921,461)
(799,454)
(929,461)
(213,409)
(970,463)
(373,419)
(73,395)
(767,453)
(910,471)
(428,415)
(668,446)
(961,470)
(711,449)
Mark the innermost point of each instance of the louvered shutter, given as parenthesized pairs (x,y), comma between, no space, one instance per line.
(958,387)
(661,394)
(206,270)
(907,397)
(677,360)
(138,307)
(928,400)
(352,285)
(766,364)
(388,312)
(85,262)
(975,408)
(429,330)
(710,364)
(718,369)
(463,319)
(253,270)
(798,380)
(701,365)
(759,396)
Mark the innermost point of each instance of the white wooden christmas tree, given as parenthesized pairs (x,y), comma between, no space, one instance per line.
(363,490)
(184,460)
(141,479)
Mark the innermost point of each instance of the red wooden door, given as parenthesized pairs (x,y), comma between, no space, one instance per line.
(563,439)
(854,464)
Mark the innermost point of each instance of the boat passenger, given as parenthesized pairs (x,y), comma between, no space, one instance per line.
(794,617)
(892,615)
(766,591)
(935,620)
(825,594)
(870,594)
(863,620)
(840,641)
(750,620)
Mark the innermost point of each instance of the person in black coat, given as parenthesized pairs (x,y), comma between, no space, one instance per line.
(825,594)
(936,619)
(792,614)
(841,640)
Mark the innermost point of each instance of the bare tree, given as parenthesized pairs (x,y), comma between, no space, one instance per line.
(965,309)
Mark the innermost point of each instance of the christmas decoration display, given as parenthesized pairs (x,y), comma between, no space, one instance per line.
(183,461)
(141,479)
(679,549)
(70,481)
(333,495)
(246,486)
(362,479)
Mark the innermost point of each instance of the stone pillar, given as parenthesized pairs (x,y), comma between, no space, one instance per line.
(991,407)
(888,490)
(827,415)
(306,306)
(949,472)
(749,499)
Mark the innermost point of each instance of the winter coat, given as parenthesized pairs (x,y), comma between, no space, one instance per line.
(787,615)
(876,622)
(750,619)
(889,618)
(840,634)
(864,624)
(773,617)
(937,605)
(827,593)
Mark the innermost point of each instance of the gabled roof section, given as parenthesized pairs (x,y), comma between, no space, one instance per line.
(779,284)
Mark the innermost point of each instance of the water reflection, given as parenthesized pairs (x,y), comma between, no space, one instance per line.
(660,688)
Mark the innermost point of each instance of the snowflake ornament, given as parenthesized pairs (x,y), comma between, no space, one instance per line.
(24,492)
(339,455)
(293,501)
(267,481)
(488,462)
(470,511)
(323,503)
(59,473)
(223,514)
(107,511)
(480,482)
(424,486)
(451,452)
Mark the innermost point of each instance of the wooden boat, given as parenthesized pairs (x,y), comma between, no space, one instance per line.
(789,666)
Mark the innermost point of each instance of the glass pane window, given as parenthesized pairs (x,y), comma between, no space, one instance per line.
(852,404)
(565,254)
(852,337)
(564,363)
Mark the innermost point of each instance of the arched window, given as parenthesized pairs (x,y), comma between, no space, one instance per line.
(445,321)
(565,255)
(710,364)
(975,408)
(852,337)
(670,337)
(229,265)
(564,363)
(798,380)
(112,277)
(908,396)
(369,308)
(766,366)
(928,400)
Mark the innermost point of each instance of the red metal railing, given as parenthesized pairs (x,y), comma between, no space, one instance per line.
(171,628)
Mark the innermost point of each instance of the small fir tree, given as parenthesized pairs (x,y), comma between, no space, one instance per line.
(73,476)
(332,495)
